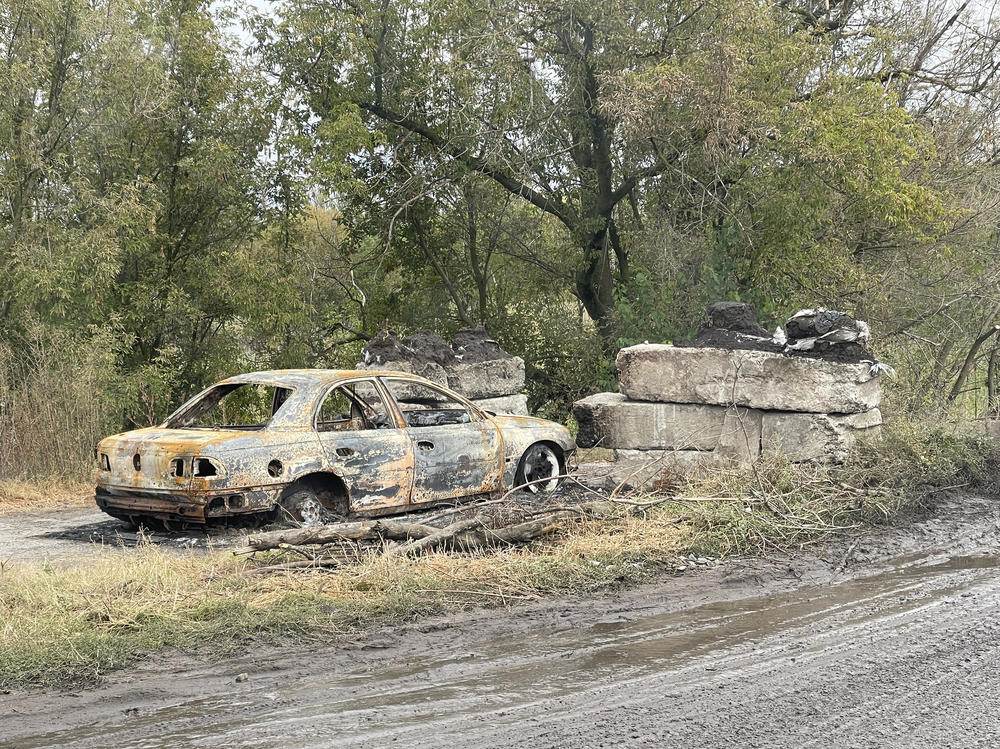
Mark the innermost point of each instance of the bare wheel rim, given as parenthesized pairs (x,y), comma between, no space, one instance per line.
(304,507)
(310,511)
(540,462)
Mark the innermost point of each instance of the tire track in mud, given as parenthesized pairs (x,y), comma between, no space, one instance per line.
(793,669)
(758,653)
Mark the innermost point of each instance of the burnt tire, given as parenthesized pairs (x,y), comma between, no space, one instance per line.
(303,506)
(539,462)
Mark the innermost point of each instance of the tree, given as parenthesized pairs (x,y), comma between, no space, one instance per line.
(513,92)
(720,113)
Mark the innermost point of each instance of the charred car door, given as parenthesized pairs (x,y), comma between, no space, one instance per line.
(456,451)
(365,446)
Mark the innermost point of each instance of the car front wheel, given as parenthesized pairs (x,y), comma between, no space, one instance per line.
(539,469)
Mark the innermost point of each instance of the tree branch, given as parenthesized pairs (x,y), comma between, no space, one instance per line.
(475,163)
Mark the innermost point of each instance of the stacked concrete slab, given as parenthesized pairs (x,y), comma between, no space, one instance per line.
(682,409)
(474,365)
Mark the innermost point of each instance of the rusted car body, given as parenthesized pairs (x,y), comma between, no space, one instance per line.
(309,442)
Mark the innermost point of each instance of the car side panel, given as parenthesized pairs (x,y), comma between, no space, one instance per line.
(456,460)
(376,465)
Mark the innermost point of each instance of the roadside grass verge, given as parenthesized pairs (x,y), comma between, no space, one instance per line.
(65,626)
(778,505)
(71,625)
(31,495)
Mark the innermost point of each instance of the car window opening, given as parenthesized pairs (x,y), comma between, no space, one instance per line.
(238,406)
(424,406)
(353,407)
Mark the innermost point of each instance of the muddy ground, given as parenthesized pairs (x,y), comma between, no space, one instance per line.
(887,639)
(71,535)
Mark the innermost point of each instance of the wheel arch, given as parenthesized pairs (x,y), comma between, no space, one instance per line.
(329,487)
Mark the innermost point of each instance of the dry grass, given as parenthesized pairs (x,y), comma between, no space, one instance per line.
(779,505)
(23,495)
(594,455)
(68,625)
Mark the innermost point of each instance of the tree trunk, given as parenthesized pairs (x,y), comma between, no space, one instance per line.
(970,359)
(992,400)
(595,288)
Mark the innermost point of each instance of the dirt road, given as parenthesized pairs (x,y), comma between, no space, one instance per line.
(891,639)
(65,536)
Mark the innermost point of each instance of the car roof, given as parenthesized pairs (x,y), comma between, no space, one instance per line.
(311,377)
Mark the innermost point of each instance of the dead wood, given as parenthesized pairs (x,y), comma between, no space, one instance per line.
(301,564)
(524,532)
(440,537)
(469,533)
(325,534)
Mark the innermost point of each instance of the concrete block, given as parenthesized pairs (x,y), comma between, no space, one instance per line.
(752,379)
(487,379)
(739,439)
(611,420)
(821,437)
(652,470)
(516,405)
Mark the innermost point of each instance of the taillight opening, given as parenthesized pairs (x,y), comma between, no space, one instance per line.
(204,467)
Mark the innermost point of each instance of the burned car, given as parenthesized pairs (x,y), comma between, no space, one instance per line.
(311,444)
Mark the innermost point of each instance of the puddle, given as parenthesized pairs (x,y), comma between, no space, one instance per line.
(362,707)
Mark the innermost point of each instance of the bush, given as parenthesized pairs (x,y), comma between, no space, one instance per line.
(60,394)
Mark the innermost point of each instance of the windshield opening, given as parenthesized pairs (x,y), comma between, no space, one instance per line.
(244,406)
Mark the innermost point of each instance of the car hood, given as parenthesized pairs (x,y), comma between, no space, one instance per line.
(523,422)
(520,431)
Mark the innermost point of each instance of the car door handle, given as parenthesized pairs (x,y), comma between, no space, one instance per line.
(425,445)
(345,452)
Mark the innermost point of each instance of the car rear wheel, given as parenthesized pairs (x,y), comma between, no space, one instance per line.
(303,506)
(539,462)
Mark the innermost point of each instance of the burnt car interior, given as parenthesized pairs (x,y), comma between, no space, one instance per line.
(423,406)
(353,407)
(240,406)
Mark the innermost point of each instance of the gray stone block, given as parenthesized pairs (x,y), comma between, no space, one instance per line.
(487,379)
(652,470)
(516,405)
(739,439)
(816,437)
(753,379)
(611,420)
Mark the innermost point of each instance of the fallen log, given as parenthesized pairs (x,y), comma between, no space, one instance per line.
(470,533)
(484,537)
(307,564)
(364,530)
(439,538)
(527,531)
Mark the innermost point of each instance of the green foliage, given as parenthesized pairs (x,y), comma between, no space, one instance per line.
(576,176)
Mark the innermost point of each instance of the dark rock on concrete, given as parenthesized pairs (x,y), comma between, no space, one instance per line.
(738,317)
(426,346)
(475,345)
